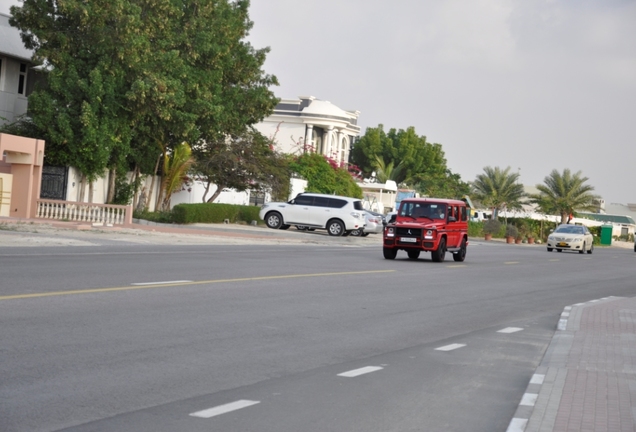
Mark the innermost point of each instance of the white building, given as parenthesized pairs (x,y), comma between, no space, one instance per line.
(16,74)
(308,123)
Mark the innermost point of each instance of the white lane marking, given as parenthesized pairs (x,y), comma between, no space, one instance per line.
(537,379)
(510,330)
(222,409)
(450,347)
(517,425)
(161,283)
(529,399)
(361,371)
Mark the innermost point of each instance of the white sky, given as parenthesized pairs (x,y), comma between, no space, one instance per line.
(531,84)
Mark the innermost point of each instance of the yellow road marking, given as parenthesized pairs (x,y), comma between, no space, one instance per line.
(511,262)
(456,265)
(555,259)
(164,285)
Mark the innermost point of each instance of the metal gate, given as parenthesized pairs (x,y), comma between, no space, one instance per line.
(54,182)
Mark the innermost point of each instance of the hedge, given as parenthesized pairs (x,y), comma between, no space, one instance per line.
(214,213)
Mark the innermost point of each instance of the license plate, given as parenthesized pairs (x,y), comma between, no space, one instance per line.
(408,240)
(562,244)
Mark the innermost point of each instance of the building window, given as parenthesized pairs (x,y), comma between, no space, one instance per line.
(22,79)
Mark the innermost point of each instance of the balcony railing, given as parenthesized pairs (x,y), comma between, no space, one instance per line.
(97,214)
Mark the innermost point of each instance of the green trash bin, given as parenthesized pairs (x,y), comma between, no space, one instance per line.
(606,235)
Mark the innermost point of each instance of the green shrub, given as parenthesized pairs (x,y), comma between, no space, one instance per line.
(475,229)
(214,213)
(511,231)
(159,217)
(492,226)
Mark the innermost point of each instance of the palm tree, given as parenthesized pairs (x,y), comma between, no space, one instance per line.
(564,194)
(175,168)
(386,171)
(498,189)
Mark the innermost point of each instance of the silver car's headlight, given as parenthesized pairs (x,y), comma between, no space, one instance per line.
(576,240)
(550,238)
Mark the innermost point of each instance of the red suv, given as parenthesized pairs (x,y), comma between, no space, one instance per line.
(430,225)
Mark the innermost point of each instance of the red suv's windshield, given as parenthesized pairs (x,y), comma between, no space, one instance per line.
(423,210)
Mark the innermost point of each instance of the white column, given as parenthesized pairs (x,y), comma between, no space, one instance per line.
(309,142)
(340,156)
(327,142)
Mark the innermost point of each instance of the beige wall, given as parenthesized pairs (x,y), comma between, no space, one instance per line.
(5,194)
(24,156)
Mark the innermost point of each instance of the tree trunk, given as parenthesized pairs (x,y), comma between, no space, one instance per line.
(152,184)
(207,189)
(81,188)
(217,192)
(134,179)
(112,176)
(90,192)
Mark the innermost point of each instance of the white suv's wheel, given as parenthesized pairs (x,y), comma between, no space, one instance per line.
(274,220)
(335,228)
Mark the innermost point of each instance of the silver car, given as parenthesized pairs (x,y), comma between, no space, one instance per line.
(571,237)
(374,224)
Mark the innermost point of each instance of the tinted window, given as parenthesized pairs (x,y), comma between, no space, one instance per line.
(337,203)
(358,205)
(321,202)
(464,214)
(304,200)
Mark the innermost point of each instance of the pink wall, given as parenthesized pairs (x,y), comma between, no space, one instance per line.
(24,157)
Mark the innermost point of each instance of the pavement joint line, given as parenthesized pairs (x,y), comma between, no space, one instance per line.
(165,285)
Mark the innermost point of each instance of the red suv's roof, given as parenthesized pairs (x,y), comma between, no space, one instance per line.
(435,200)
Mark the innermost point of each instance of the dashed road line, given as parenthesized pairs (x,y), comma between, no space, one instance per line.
(160,283)
(511,262)
(450,347)
(361,371)
(203,282)
(510,330)
(222,409)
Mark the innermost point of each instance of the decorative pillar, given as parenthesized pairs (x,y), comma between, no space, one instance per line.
(327,142)
(309,142)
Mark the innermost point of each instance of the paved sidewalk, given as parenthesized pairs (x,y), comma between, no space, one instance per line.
(587,378)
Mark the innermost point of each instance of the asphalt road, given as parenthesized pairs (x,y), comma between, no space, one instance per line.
(281,338)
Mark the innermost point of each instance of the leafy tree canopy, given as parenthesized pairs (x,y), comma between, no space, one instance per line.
(323,177)
(133,78)
(404,157)
(242,162)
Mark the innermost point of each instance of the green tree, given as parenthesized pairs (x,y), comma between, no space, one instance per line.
(241,163)
(175,169)
(399,155)
(497,188)
(141,76)
(564,194)
(324,177)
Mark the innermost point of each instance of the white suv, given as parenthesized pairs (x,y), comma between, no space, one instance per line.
(337,214)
